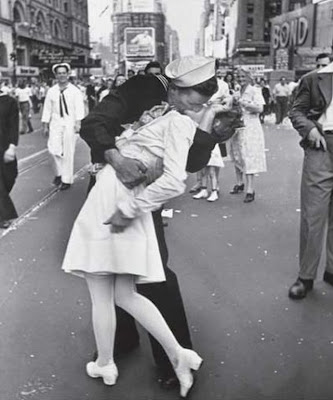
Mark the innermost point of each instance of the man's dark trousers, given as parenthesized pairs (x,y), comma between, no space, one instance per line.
(281,108)
(167,298)
(316,210)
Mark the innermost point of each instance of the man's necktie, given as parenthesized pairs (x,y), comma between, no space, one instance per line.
(62,101)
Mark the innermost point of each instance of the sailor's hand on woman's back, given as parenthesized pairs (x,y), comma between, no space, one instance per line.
(129,171)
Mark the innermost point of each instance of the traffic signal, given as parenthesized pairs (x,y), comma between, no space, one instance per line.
(13,56)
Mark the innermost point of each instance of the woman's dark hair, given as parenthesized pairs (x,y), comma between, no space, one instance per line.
(207,88)
(114,84)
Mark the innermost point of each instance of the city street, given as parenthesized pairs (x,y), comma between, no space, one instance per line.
(234,261)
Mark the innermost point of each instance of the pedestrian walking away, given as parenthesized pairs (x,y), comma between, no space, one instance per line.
(281,93)
(9,127)
(62,114)
(110,270)
(23,95)
(312,117)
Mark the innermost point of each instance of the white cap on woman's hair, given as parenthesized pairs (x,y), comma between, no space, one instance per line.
(64,65)
(191,70)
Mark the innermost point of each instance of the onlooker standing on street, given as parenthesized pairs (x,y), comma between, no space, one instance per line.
(322,60)
(9,127)
(23,94)
(230,80)
(91,93)
(130,73)
(118,81)
(153,68)
(266,94)
(106,91)
(281,93)
(247,146)
(62,115)
(212,171)
(312,117)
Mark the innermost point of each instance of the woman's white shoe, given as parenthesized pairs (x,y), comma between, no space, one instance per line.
(203,194)
(109,372)
(188,360)
(213,196)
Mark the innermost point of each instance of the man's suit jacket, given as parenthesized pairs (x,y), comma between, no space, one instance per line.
(312,99)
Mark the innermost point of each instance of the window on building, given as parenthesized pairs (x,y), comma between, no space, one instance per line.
(272,9)
(18,13)
(66,30)
(40,22)
(57,30)
(52,27)
(77,38)
(20,56)
(65,7)
(3,55)
(250,7)
(296,4)
(249,34)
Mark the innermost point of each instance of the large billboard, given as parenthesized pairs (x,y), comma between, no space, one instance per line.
(293,29)
(139,42)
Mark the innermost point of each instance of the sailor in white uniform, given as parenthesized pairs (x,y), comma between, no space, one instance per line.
(62,115)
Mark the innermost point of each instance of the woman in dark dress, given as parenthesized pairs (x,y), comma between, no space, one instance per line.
(9,127)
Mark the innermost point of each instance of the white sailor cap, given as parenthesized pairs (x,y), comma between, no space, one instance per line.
(190,70)
(64,65)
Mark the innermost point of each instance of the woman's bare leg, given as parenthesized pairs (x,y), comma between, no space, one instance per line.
(101,288)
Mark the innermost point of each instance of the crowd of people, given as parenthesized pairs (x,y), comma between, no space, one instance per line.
(145,133)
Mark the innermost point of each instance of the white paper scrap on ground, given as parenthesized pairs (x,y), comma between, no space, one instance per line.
(167,213)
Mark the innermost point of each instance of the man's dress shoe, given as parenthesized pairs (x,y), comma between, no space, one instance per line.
(328,277)
(300,288)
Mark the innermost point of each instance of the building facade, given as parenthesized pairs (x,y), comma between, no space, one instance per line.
(47,32)
(6,39)
(140,34)
(249,29)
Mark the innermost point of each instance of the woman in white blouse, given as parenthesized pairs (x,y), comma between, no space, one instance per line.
(114,260)
(247,146)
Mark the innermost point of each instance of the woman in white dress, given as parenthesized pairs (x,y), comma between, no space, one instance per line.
(113,260)
(247,146)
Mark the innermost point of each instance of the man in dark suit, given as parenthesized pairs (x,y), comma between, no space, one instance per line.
(9,132)
(99,129)
(312,117)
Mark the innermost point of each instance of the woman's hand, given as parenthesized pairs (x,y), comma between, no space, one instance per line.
(118,222)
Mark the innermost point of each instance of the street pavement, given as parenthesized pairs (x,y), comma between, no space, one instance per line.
(234,261)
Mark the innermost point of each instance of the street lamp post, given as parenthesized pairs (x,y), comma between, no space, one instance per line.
(13,55)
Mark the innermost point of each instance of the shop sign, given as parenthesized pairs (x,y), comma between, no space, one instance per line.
(255,69)
(140,42)
(293,29)
(27,71)
(282,59)
(46,59)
